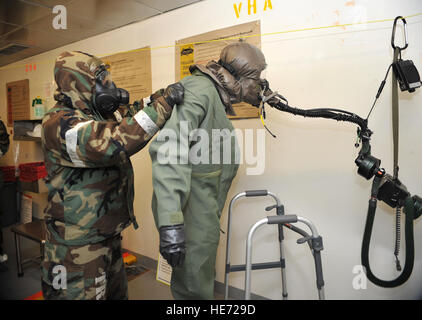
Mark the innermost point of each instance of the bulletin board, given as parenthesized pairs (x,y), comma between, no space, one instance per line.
(18,107)
(205,47)
(131,70)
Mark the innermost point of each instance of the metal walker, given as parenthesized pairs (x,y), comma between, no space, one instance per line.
(314,241)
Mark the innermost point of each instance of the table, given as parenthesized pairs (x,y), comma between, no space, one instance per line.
(36,231)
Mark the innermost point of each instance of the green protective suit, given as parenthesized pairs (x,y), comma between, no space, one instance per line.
(193,191)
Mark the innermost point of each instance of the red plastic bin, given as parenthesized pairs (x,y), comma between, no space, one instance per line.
(8,173)
(29,172)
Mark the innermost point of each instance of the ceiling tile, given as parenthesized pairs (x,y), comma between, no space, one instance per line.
(6,29)
(48,3)
(42,34)
(77,29)
(21,13)
(29,22)
(4,60)
(36,38)
(166,5)
(111,12)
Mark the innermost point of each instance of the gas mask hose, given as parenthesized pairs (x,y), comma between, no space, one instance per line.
(387,189)
(327,113)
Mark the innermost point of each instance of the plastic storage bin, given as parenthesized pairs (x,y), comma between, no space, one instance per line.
(29,172)
(8,173)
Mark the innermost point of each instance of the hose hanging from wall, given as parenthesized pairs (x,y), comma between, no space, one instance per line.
(385,187)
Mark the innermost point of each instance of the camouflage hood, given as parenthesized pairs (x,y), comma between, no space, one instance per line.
(74,73)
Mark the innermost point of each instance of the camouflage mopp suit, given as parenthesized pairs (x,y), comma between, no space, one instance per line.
(90,182)
(4,139)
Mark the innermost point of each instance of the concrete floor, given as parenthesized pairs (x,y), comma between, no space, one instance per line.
(14,287)
(145,287)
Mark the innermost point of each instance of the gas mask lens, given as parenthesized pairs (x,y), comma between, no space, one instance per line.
(105,78)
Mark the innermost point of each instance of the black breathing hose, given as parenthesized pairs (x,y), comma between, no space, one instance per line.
(335,114)
(409,238)
(364,134)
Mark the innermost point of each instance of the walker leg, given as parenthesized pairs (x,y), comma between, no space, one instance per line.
(283,263)
(226,286)
(321,294)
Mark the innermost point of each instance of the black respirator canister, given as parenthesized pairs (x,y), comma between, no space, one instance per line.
(367,166)
(405,71)
(407,75)
(418,206)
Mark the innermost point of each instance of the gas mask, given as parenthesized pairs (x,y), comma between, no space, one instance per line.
(245,63)
(236,75)
(241,89)
(107,97)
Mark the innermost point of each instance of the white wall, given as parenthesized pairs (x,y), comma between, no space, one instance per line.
(311,163)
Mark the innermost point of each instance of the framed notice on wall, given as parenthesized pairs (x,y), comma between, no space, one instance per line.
(205,47)
(131,70)
(18,106)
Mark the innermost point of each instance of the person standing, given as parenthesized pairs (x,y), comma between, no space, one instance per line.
(87,139)
(189,195)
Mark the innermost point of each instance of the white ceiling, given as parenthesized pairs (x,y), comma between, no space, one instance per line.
(29,22)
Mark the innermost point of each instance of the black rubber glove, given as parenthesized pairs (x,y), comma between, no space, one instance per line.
(172,244)
(174,94)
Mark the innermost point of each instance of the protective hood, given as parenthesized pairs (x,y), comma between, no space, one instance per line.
(246,60)
(74,73)
(220,76)
(237,74)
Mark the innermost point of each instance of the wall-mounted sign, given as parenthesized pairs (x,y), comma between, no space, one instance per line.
(132,71)
(18,106)
(205,47)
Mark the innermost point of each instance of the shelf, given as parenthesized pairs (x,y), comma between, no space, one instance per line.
(38,186)
(26,138)
(21,129)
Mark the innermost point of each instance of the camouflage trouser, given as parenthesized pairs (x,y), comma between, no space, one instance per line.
(89,272)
